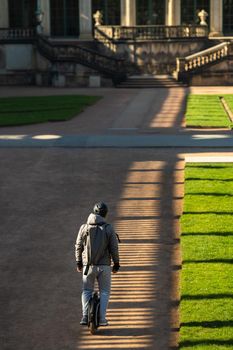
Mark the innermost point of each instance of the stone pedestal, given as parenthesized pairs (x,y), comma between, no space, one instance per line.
(128,12)
(172,13)
(45,8)
(4,14)
(85,20)
(94,81)
(216,13)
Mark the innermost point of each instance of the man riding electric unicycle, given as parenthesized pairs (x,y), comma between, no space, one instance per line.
(96,246)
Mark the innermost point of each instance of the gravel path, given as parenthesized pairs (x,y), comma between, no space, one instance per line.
(46,193)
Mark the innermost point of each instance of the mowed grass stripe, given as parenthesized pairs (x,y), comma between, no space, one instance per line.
(207,253)
(39,109)
(206,111)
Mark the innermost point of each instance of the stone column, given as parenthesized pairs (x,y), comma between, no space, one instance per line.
(4,14)
(216,13)
(45,8)
(85,20)
(128,13)
(172,13)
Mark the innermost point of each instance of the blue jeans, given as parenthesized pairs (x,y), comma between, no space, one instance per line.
(103,275)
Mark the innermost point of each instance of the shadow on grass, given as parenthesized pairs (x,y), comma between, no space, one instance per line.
(208,212)
(207,296)
(221,234)
(209,166)
(209,194)
(207,179)
(208,324)
(205,342)
(213,261)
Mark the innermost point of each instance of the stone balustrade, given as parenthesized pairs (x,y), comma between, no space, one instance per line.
(17,33)
(150,32)
(202,58)
(77,54)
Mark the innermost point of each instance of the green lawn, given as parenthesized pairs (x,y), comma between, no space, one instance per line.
(39,109)
(206,111)
(206,309)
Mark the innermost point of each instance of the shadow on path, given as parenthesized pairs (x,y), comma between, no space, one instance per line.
(46,195)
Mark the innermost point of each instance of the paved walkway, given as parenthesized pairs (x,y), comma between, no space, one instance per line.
(48,187)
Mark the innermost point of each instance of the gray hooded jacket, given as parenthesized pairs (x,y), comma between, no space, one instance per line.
(108,240)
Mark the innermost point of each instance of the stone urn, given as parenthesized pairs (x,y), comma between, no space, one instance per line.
(203,15)
(39,19)
(98,17)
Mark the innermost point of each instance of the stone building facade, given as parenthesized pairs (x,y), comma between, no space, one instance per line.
(151,34)
(75,17)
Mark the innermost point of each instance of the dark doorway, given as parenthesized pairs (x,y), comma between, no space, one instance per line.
(150,12)
(64,18)
(22,13)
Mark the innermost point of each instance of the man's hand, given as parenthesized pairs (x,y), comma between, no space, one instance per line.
(79,266)
(116,268)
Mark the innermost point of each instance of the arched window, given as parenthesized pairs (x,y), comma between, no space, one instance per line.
(64,18)
(150,12)
(22,13)
(228,17)
(190,10)
(111,10)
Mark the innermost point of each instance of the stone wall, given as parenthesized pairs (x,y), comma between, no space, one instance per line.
(21,64)
(65,74)
(157,57)
(17,64)
(215,75)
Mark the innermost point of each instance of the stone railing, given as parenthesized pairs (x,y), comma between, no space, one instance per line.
(72,53)
(202,58)
(17,33)
(150,32)
(104,38)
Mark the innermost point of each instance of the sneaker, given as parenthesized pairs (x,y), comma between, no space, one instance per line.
(103,323)
(84,321)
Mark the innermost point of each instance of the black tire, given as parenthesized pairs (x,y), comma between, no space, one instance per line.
(92,328)
(93,314)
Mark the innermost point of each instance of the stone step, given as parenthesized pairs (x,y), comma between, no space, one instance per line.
(150,81)
(155,82)
(148,86)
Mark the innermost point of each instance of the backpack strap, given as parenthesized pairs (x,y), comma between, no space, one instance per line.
(87,241)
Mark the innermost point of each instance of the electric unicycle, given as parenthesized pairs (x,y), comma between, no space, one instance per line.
(93,313)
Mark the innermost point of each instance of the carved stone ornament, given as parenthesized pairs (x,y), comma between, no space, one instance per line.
(203,15)
(98,17)
(39,19)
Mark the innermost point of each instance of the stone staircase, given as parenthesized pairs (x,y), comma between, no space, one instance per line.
(212,66)
(150,81)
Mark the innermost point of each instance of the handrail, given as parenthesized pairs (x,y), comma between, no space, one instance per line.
(17,33)
(203,58)
(207,51)
(151,32)
(104,38)
(114,67)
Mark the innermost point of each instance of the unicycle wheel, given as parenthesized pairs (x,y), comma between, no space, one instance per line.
(93,313)
(92,328)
